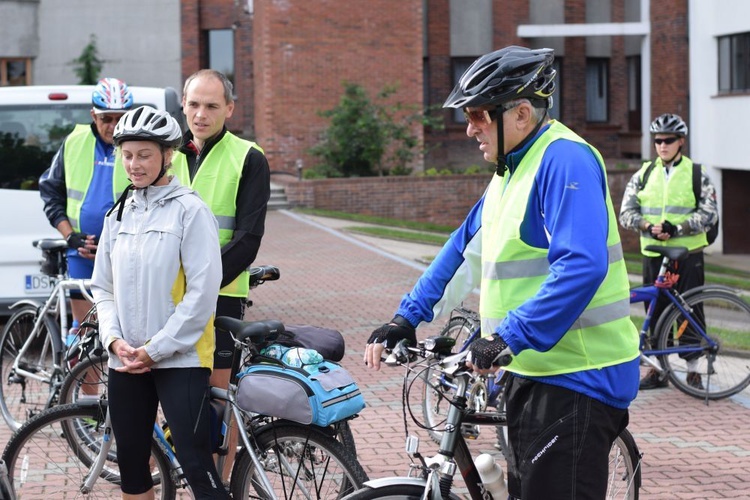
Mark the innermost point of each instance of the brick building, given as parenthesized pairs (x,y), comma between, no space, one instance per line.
(291,57)
(620,64)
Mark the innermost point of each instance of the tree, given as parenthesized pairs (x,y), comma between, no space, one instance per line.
(366,138)
(88,66)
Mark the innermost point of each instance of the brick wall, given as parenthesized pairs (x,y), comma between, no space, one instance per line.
(199,16)
(438,199)
(291,57)
(304,50)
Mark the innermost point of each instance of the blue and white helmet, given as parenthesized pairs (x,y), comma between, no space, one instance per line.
(111,96)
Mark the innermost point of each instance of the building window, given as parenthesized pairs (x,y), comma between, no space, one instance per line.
(734,63)
(634,93)
(596,89)
(460,65)
(15,71)
(221,52)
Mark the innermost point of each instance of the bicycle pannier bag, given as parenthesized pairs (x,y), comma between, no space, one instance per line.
(318,394)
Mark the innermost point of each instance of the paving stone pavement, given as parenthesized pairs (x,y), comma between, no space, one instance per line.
(332,279)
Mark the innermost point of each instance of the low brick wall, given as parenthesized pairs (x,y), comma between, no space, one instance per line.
(438,199)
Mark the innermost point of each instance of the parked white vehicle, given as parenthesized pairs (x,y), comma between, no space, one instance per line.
(34,120)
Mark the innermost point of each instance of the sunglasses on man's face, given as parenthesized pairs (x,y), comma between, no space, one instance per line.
(668,141)
(477,117)
(107,119)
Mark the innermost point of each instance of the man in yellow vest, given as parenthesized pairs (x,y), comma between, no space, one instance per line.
(659,203)
(83,183)
(542,244)
(233,178)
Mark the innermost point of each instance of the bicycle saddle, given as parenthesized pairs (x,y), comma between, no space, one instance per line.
(674,253)
(255,331)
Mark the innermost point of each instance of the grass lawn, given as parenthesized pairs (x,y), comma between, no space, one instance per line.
(435,234)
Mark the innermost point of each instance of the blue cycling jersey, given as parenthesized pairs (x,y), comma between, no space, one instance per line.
(552,221)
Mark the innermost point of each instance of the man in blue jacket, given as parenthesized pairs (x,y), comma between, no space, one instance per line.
(543,246)
(82,183)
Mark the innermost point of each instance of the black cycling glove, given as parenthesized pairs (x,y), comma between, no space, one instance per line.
(390,334)
(490,351)
(76,240)
(669,228)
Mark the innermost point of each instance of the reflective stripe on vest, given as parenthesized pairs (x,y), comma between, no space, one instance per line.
(217,182)
(513,271)
(670,199)
(78,158)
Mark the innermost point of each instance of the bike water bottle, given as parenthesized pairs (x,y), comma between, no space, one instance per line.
(491,475)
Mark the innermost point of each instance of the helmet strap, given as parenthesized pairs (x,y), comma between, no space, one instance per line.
(163,167)
(120,203)
(671,160)
(500,164)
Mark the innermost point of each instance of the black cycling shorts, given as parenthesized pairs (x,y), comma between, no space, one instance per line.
(233,307)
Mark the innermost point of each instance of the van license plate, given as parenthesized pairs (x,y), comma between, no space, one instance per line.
(38,283)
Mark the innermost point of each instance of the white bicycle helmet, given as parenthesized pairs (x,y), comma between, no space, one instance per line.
(111,96)
(148,124)
(669,124)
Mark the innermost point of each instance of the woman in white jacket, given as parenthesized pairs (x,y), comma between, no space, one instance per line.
(156,280)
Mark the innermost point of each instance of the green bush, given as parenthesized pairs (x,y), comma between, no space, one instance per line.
(88,66)
(367,138)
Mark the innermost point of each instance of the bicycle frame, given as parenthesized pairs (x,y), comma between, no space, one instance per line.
(650,294)
(55,307)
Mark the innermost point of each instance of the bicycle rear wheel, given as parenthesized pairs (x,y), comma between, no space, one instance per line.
(720,368)
(22,397)
(300,462)
(624,468)
(42,463)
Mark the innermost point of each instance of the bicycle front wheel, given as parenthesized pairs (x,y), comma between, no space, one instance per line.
(87,379)
(21,396)
(300,462)
(624,480)
(717,364)
(392,492)
(42,463)
(438,392)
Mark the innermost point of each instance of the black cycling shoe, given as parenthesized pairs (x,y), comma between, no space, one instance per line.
(653,380)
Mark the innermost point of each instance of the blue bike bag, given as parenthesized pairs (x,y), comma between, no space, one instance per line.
(318,394)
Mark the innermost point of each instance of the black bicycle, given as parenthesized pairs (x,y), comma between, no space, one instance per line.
(432,477)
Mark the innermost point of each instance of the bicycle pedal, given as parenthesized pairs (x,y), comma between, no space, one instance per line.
(470,431)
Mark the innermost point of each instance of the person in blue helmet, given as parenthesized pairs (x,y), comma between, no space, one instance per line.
(543,246)
(82,183)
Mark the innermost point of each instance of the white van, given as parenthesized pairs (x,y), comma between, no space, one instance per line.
(34,120)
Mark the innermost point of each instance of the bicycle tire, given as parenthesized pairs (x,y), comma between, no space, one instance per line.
(88,378)
(406,491)
(724,370)
(437,395)
(502,430)
(345,436)
(22,397)
(624,480)
(325,467)
(40,459)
